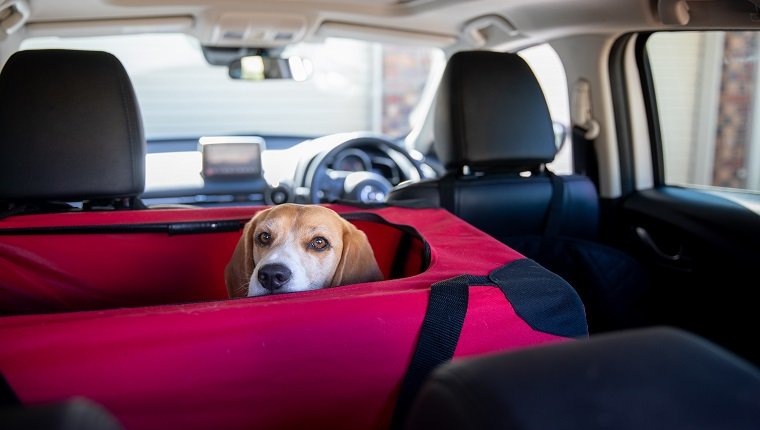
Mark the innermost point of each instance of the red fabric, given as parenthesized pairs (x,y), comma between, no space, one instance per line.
(64,272)
(330,358)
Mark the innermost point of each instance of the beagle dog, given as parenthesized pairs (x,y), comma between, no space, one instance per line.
(293,247)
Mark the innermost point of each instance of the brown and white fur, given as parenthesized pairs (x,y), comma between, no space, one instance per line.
(292,247)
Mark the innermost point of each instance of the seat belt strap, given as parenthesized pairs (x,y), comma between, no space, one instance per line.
(553,215)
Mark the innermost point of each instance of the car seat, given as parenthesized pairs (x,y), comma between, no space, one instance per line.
(494,137)
(653,378)
(71,133)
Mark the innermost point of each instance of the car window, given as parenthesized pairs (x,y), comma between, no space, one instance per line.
(550,72)
(707,92)
(356,86)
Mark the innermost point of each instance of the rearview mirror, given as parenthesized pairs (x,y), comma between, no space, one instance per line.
(259,68)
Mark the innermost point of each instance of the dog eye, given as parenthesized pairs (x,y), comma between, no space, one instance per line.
(319,243)
(264,238)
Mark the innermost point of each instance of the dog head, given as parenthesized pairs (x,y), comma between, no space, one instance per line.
(292,247)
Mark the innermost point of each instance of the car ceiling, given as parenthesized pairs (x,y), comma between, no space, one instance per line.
(457,24)
(451,24)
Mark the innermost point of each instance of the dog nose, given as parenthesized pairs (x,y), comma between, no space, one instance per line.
(273,276)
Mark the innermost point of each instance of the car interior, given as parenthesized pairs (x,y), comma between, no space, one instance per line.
(563,198)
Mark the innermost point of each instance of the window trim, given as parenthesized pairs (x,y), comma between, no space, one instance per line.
(652,111)
(621,112)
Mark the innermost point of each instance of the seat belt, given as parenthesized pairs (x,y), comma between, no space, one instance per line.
(553,219)
(585,130)
(584,155)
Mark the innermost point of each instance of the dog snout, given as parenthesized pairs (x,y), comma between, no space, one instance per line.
(273,276)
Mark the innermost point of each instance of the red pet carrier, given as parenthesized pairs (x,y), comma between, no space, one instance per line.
(129,309)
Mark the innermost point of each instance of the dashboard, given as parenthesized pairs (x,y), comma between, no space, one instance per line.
(359,167)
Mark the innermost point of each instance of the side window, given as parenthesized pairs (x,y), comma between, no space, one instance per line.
(707,90)
(550,72)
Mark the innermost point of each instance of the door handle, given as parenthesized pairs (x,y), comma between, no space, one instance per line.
(645,237)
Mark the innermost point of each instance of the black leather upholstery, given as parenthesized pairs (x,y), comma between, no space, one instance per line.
(506,205)
(657,378)
(490,111)
(70,128)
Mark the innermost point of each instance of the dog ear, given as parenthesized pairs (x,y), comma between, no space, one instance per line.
(357,260)
(237,274)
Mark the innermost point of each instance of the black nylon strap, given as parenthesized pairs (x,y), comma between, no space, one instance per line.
(545,301)
(438,339)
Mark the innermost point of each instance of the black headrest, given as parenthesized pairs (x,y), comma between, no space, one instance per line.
(491,112)
(653,378)
(70,128)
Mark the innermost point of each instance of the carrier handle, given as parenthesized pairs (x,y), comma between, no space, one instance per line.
(438,339)
(556,310)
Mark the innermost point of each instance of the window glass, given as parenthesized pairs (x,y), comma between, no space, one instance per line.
(550,72)
(356,86)
(707,88)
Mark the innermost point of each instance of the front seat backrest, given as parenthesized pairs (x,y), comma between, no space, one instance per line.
(70,129)
(494,137)
(655,378)
(492,125)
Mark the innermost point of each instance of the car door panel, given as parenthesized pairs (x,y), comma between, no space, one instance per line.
(701,250)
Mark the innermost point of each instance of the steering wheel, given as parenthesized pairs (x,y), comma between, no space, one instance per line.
(326,183)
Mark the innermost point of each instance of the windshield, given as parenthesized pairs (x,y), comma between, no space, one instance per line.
(356,86)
